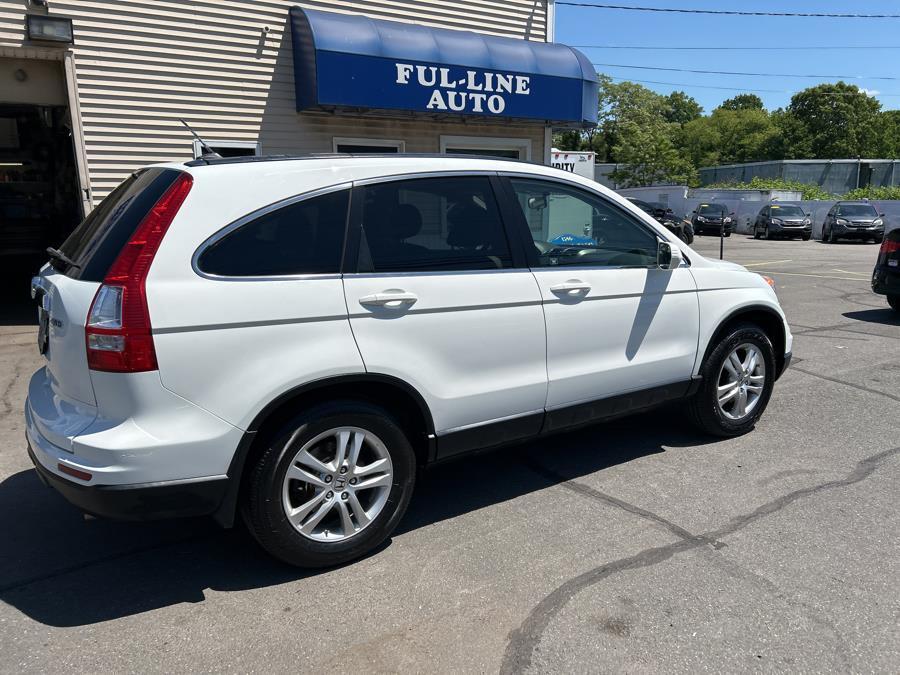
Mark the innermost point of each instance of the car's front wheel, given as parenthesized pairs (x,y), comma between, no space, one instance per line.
(894,302)
(737,380)
(331,485)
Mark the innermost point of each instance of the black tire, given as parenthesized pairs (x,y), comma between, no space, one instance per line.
(703,407)
(728,234)
(755,232)
(805,237)
(262,506)
(894,301)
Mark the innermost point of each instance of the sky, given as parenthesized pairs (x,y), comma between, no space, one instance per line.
(824,43)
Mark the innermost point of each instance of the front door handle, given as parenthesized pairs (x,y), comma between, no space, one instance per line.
(571,288)
(392,299)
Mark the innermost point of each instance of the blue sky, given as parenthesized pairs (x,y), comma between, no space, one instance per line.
(589,26)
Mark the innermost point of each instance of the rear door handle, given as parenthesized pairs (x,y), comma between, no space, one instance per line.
(392,299)
(571,288)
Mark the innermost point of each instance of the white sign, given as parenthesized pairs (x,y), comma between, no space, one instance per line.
(580,163)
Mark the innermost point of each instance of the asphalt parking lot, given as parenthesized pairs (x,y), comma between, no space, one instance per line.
(636,545)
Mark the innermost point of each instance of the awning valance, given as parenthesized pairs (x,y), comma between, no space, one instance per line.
(350,61)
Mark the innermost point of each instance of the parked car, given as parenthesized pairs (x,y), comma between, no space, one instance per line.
(886,275)
(709,218)
(292,339)
(853,220)
(681,228)
(782,220)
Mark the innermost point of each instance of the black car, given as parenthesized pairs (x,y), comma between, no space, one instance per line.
(667,218)
(886,277)
(853,220)
(709,219)
(782,220)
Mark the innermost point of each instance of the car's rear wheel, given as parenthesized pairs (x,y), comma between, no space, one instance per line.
(331,485)
(738,376)
(894,301)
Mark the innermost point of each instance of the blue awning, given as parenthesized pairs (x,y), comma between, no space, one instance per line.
(347,61)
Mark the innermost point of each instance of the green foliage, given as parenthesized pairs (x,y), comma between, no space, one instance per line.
(666,139)
(832,121)
(873,192)
(743,102)
(810,191)
(681,108)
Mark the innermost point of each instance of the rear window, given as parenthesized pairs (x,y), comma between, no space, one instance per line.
(306,237)
(96,242)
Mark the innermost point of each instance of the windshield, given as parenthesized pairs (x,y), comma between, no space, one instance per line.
(643,206)
(857,211)
(787,212)
(711,209)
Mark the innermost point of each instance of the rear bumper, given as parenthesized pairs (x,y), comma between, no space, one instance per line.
(148,501)
(886,280)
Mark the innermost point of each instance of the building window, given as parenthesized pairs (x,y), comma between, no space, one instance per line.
(230,148)
(361,146)
(512,148)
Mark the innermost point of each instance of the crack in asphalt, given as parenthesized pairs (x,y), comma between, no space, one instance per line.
(861,387)
(593,493)
(524,640)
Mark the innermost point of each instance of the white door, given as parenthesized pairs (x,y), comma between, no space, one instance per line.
(439,303)
(616,323)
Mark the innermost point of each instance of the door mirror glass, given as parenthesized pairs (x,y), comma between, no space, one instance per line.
(668,256)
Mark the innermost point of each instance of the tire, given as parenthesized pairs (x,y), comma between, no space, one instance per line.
(704,408)
(373,512)
(878,240)
(894,301)
(805,237)
(728,234)
(766,234)
(755,232)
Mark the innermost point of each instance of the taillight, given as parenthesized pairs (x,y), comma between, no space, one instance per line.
(118,331)
(890,246)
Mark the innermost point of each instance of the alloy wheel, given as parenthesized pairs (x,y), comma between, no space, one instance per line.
(337,484)
(741,382)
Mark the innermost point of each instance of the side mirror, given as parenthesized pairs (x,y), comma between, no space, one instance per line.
(668,256)
(809,215)
(881,215)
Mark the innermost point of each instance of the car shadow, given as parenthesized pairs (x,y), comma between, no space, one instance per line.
(63,570)
(886,316)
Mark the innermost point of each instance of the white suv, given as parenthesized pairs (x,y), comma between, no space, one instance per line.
(292,339)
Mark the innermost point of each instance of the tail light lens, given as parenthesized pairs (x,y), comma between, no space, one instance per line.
(890,246)
(118,333)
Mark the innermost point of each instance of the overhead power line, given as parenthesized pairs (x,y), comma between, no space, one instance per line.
(735,72)
(729,12)
(744,89)
(804,48)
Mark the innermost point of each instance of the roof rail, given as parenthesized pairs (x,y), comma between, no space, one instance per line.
(247,159)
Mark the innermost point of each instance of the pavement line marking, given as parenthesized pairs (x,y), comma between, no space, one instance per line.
(818,276)
(770,262)
(865,274)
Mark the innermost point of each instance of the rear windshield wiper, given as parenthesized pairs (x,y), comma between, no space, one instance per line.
(56,254)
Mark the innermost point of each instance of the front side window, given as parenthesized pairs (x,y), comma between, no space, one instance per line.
(574,227)
(306,237)
(432,224)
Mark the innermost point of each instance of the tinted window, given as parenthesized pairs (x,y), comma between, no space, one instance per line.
(97,241)
(711,209)
(432,224)
(302,238)
(573,227)
(857,211)
(787,212)
(643,206)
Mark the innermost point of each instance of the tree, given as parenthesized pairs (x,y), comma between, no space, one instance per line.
(743,102)
(889,134)
(681,108)
(831,121)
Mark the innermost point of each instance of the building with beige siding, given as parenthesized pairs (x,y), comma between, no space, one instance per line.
(80,112)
